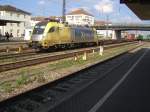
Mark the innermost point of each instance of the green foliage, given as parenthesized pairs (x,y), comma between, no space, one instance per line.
(66,63)
(23,79)
(6,87)
(148,37)
(140,37)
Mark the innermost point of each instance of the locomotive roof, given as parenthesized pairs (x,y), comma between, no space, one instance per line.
(42,23)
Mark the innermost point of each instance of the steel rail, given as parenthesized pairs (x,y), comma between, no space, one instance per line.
(34,52)
(26,48)
(49,58)
(21,54)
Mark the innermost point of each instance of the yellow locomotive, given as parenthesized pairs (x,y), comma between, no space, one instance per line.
(51,33)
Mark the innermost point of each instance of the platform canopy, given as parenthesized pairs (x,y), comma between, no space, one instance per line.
(140,7)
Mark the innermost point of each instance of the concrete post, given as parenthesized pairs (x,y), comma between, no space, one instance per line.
(116,34)
(7,49)
(75,57)
(101,49)
(20,49)
(84,56)
(93,51)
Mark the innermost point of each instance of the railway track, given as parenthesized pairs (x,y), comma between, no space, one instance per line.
(12,46)
(65,94)
(29,52)
(15,55)
(9,46)
(51,57)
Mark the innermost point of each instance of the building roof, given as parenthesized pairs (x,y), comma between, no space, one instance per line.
(12,9)
(38,18)
(45,19)
(79,11)
(55,17)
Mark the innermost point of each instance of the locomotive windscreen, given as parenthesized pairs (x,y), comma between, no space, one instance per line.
(39,28)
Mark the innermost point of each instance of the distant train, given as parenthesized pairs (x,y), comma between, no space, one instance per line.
(48,34)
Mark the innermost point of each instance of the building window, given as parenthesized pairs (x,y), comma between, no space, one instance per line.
(24,24)
(24,16)
(78,17)
(11,30)
(11,24)
(18,15)
(18,31)
(11,13)
(70,17)
(18,24)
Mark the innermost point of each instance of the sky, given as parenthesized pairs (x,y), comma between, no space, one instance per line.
(101,9)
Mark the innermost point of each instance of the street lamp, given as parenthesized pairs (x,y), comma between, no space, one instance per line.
(107,19)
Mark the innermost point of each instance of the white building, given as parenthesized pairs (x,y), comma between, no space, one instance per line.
(17,20)
(80,17)
(36,19)
(107,34)
(33,22)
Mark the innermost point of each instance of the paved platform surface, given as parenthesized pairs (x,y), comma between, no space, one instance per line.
(132,92)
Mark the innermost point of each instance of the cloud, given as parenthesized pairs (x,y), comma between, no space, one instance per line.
(104,6)
(41,2)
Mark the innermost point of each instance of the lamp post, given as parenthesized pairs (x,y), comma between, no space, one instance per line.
(107,19)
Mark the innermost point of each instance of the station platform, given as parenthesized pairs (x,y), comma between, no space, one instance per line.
(12,41)
(3,40)
(132,92)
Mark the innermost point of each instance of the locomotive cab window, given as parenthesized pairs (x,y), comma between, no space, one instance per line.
(39,28)
(52,29)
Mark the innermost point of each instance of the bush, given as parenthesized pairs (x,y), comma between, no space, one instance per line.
(140,37)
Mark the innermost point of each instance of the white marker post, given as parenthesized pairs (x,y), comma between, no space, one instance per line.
(93,51)
(7,49)
(84,56)
(101,50)
(20,49)
(75,57)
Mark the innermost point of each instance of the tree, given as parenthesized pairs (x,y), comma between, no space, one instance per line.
(140,37)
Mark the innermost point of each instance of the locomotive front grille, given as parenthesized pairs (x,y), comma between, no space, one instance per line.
(36,44)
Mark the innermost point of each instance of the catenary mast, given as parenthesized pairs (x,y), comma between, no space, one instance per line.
(64,11)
